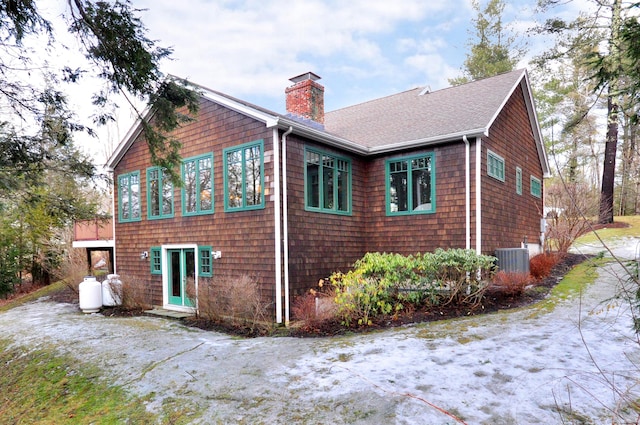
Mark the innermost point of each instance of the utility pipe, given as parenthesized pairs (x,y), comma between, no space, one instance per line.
(467,194)
(277,225)
(285,224)
(478,196)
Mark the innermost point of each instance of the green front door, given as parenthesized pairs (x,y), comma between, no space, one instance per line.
(182,276)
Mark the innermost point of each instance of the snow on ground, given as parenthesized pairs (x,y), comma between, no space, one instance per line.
(551,363)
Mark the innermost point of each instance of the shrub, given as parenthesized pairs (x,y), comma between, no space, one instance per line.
(74,269)
(509,283)
(381,284)
(136,295)
(360,298)
(315,306)
(540,265)
(235,300)
(459,275)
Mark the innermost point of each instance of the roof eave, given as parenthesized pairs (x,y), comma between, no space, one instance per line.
(127,141)
(321,136)
(409,144)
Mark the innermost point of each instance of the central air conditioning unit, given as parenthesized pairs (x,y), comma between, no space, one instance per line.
(513,260)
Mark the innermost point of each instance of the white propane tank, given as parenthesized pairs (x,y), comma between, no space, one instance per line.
(112,291)
(90,291)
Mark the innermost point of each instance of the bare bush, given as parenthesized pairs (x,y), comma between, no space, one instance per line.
(235,300)
(509,283)
(572,204)
(315,306)
(74,269)
(136,295)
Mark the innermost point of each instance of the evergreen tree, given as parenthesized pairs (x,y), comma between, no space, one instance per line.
(114,42)
(608,69)
(492,50)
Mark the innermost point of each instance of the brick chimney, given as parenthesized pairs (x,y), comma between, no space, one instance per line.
(305,98)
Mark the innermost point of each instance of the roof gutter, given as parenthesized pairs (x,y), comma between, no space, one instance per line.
(318,135)
(429,141)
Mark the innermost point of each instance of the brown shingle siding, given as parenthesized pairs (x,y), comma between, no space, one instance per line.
(507,217)
(245,238)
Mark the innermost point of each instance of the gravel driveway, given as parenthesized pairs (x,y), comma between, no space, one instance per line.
(517,367)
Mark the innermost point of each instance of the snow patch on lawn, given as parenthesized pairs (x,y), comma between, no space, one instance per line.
(525,366)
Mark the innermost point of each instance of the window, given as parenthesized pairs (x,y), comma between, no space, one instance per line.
(519,180)
(159,194)
(197,193)
(327,182)
(205,261)
(495,166)
(411,185)
(155,254)
(536,187)
(129,197)
(244,177)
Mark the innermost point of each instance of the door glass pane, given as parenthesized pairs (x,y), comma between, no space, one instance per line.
(190,275)
(176,287)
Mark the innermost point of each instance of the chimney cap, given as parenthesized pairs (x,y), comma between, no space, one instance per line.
(306,76)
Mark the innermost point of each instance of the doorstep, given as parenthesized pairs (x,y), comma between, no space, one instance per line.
(171,314)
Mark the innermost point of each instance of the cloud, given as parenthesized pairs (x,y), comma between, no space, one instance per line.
(244,46)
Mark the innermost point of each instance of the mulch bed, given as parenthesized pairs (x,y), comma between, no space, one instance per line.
(491,303)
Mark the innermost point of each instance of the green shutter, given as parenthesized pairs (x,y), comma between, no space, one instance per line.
(155,254)
(205,261)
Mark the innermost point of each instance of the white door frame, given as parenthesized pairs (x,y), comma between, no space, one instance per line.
(165,278)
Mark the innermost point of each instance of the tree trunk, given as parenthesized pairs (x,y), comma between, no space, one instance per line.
(609,168)
(611,146)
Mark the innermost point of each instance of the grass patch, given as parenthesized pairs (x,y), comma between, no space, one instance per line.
(572,284)
(42,292)
(614,233)
(42,387)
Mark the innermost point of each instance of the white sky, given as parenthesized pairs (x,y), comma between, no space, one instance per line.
(362,49)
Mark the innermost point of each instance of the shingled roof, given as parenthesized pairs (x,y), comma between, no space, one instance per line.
(422,116)
(409,119)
